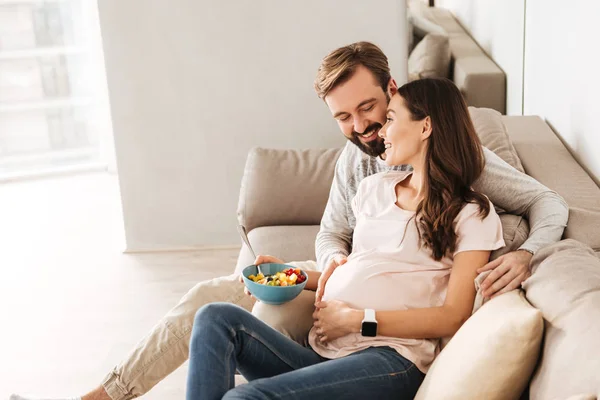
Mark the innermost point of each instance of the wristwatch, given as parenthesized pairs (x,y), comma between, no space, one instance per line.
(369,324)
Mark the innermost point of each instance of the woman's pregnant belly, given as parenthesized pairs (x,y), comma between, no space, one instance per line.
(386,285)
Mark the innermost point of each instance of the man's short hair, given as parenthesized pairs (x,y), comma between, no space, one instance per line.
(339,65)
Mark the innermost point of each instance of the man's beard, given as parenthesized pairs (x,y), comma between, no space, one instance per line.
(373,148)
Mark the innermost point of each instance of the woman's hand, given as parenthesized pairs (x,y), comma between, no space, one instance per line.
(333,264)
(261,260)
(509,271)
(334,319)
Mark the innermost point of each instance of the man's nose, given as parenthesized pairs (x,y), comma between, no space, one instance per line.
(360,125)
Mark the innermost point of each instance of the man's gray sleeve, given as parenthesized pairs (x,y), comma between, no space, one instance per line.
(335,234)
(520,194)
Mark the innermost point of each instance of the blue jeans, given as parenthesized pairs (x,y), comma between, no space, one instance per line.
(226,338)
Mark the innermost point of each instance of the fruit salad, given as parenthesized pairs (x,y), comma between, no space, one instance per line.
(288,277)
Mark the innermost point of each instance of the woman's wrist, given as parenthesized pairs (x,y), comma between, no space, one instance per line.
(354,319)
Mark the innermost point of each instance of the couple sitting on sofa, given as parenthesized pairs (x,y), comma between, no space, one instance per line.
(419,238)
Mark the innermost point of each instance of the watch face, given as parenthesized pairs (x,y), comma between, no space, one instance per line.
(369,329)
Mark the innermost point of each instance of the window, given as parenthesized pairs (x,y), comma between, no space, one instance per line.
(53,103)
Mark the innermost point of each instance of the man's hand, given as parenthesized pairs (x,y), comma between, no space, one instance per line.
(508,272)
(261,260)
(333,264)
(334,319)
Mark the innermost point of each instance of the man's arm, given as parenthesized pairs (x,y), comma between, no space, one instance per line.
(335,236)
(520,194)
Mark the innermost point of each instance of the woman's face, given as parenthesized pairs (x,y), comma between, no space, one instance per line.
(405,140)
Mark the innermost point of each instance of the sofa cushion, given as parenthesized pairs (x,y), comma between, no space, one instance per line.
(565,287)
(285,187)
(493,135)
(285,242)
(430,58)
(491,356)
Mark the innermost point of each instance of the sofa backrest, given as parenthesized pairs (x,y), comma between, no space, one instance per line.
(291,187)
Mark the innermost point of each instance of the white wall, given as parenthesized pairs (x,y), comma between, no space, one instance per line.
(561,73)
(194,84)
(497,25)
(559,41)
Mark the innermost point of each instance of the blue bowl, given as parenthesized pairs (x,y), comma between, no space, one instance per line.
(272,294)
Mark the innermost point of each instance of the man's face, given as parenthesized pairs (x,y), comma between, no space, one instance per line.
(359,107)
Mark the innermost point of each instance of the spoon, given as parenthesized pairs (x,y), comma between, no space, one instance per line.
(244,236)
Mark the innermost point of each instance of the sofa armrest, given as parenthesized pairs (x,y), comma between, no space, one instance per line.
(546,159)
(285,187)
(481,81)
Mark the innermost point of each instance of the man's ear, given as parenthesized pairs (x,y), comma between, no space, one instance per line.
(426,132)
(392,87)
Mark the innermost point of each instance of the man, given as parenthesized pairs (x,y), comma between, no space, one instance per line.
(355,83)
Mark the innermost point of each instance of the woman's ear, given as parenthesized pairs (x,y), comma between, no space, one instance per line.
(426,130)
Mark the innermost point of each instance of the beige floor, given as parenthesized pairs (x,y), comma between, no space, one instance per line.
(71,303)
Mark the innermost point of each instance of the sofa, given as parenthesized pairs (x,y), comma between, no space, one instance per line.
(283,195)
(456,56)
(284,192)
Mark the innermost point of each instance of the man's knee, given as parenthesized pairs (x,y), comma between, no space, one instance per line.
(215,313)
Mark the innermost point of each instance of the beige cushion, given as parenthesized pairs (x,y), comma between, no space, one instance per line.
(430,58)
(491,356)
(298,179)
(493,135)
(565,287)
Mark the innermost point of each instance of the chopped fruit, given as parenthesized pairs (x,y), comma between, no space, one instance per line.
(288,277)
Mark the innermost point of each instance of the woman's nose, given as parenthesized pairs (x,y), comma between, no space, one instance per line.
(381,132)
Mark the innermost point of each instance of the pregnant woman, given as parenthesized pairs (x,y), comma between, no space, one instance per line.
(420,237)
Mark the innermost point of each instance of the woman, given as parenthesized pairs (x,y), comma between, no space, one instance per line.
(419,239)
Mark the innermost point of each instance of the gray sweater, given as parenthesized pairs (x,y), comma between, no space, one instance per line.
(508,189)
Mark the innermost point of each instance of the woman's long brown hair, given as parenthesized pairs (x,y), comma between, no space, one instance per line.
(454,160)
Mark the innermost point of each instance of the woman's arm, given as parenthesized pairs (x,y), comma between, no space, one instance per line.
(440,321)
(335,319)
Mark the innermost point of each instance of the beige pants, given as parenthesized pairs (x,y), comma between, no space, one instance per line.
(166,347)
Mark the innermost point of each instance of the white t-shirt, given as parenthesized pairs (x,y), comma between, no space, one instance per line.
(388,272)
